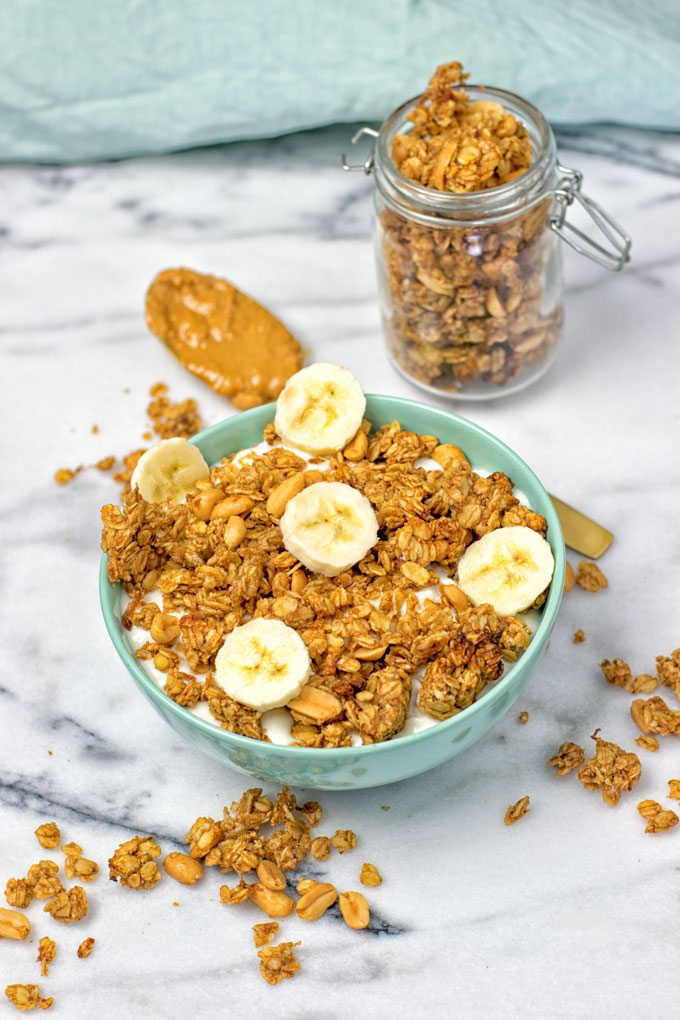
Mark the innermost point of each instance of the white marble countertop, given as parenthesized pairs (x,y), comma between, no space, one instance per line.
(570,913)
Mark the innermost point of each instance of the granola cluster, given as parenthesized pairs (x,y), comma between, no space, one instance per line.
(134,863)
(366,630)
(467,303)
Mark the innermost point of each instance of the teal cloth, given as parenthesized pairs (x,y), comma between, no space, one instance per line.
(96,79)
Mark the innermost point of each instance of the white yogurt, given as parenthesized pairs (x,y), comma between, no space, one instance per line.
(277,723)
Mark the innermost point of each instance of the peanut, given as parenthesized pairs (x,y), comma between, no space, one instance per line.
(183,868)
(298,581)
(271,876)
(494,305)
(357,447)
(234,532)
(273,902)
(315,902)
(313,476)
(316,704)
(304,885)
(569,577)
(204,502)
(164,628)
(456,596)
(283,492)
(13,925)
(354,909)
(448,455)
(232,506)
(370,654)
(416,574)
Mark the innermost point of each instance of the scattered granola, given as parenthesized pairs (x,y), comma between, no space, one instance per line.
(611,769)
(668,671)
(648,743)
(62,477)
(134,863)
(644,683)
(579,637)
(523,717)
(344,840)
(68,906)
(590,577)
(569,757)
(85,948)
(47,950)
(370,875)
(617,672)
(77,866)
(655,716)
(43,881)
(279,962)
(658,819)
(674,789)
(48,835)
(18,893)
(569,577)
(265,932)
(27,997)
(517,811)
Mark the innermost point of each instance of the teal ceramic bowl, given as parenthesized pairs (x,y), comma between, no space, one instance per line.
(375,764)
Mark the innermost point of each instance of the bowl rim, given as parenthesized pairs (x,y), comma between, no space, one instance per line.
(107,593)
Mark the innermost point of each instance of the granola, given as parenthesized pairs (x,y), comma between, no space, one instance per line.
(48,835)
(617,672)
(655,716)
(85,948)
(68,906)
(134,864)
(466,303)
(658,818)
(367,631)
(578,637)
(517,811)
(265,932)
(611,770)
(370,875)
(590,577)
(668,671)
(674,789)
(279,962)
(648,743)
(26,997)
(570,756)
(47,950)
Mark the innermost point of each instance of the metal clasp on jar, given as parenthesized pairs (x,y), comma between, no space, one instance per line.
(367,165)
(568,191)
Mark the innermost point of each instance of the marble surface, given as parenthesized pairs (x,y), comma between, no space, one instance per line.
(570,913)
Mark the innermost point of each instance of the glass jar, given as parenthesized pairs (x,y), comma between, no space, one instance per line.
(471,283)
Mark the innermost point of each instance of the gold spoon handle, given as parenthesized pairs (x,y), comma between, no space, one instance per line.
(580,533)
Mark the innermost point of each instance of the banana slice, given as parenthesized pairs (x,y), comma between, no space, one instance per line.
(262,664)
(320,408)
(171,468)
(329,526)
(509,568)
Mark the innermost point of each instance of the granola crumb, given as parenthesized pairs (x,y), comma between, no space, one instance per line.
(643,683)
(279,962)
(133,863)
(658,819)
(321,848)
(85,948)
(569,577)
(48,835)
(43,880)
(62,477)
(668,671)
(175,903)
(384,807)
(94,430)
(27,997)
(655,716)
(648,743)
(370,875)
(611,770)
(106,463)
(568,757)
(265,932)
(68,906)
(579,637)
(517,811)
(674,789)
(47,950)
(523,717)
(616,672)
(590,577)
(19,893)
(344,840)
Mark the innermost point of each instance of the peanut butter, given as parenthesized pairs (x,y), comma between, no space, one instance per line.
(223,336)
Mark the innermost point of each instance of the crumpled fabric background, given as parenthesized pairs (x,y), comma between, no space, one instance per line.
(99,79)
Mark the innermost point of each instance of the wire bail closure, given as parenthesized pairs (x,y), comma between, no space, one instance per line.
(367,165)
(569,190)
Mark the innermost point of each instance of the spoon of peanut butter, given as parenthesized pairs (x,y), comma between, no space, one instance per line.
(223,336)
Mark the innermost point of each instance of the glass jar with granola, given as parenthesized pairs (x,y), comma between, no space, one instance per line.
(470,205)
